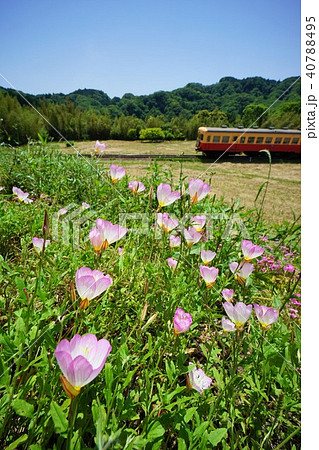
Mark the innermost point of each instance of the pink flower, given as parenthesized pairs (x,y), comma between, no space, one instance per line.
(172,263)
(174,241)
(198,222)
(209,274)
(227,325)
(99,148)
(294,301)
(238,313)
(116,173)
(120,251)
(207,256)
(289,268)
(182,321)
(110,233)
(197,190)
(85,205)
(191,236)
(166,223)
(293,316)
(96,239)
(38,244)
(244,272)
(241,272)
(165,196)
(198,380)
(63,211)
(233,266)
(90,284)
(266,316)
(81,360)
(136,187)
(250,250)
(228,294)
(22,196)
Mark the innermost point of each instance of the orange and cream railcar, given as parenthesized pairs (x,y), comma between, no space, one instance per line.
(249,140)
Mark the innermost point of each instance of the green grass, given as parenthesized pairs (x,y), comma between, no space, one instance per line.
(231,179)
(140,398)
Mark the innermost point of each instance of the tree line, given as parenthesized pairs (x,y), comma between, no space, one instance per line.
(89,114)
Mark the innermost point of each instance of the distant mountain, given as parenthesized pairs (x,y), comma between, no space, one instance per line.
(230,95)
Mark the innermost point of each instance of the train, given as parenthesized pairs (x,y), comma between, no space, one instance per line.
(247,140)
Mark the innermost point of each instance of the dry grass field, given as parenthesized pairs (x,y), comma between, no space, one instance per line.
(231,178)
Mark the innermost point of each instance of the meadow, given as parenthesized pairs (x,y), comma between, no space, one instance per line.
(150,315)
(233,178)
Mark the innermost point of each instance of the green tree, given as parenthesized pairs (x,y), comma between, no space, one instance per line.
(254,114)
(205,118)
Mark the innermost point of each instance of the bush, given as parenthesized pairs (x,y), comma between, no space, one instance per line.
(152,134)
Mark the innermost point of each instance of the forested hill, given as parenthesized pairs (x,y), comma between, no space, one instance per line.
(92,114)
(229,95)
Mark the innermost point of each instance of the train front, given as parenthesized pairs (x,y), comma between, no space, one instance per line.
(199,140)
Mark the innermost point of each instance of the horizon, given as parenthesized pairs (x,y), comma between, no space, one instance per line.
(140,95)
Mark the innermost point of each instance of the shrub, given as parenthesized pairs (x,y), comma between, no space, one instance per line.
(152,134)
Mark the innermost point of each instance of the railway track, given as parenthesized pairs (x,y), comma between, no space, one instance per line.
(145,156)
(226,157)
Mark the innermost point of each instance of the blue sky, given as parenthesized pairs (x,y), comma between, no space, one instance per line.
(145,46)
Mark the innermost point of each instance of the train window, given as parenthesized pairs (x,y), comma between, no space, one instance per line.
(225,139)
(208,138)
(278,140)
(251,140)
(286,140)
(260,140)
(295,141)
(268,140)
(235,138)
(201,137)
(216,139)
(242,140)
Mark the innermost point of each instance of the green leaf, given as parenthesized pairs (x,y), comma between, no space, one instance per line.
(189,414)
(23,408)
(170,369)
(58,417)
(200,430)
(156,430)
(20,285)
(181,444)
(298,336)
(17,442)
(129,377)
(108,374)
(218,377)
(76,441)
(260,189)
(5,374)
(216,436)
